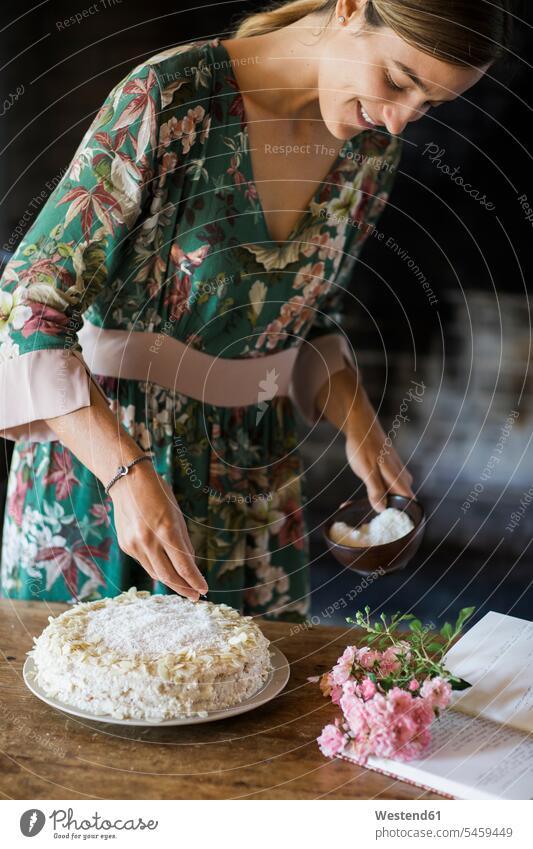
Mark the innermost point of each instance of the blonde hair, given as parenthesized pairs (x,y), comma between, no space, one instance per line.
(469,33)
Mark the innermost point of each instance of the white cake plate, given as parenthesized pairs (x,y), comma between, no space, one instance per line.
(273,685)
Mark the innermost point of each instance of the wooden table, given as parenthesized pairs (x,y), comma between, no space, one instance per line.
(269,753)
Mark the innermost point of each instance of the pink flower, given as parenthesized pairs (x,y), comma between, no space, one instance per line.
(101,514)
(61,472)
(367,689)
(437,691)
(400,700)
(390,663)
(332,740)
(377,718)
(343,668)
(45,319)
(399,724)
(17,499)
(353,708)
(291,532)
(336,693)
(421,712)
(367,657)
(328,688)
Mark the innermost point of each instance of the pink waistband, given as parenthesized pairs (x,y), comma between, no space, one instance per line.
(161,359)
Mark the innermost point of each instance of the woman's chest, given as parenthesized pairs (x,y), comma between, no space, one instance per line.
(288,168)
(204,264)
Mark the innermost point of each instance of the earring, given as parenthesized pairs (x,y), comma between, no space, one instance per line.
(341,19)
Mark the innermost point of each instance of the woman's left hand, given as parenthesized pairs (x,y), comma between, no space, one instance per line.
(378,465)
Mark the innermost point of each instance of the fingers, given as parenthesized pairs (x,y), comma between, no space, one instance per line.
(172,565)
(182,525)
(147,566)
(399,487)
(183,562)
(183,556)
(397,478)
(376,490)
(381,478)
(166,573)
(185,534)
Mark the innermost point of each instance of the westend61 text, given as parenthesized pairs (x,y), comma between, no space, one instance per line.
(408,815)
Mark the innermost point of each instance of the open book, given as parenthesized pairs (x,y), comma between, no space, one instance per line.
(482,744)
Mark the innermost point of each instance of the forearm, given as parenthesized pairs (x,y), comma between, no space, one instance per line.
(340,397)
(346,405)
(95,437)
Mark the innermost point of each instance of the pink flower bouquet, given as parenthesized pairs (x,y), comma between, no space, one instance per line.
(389,691)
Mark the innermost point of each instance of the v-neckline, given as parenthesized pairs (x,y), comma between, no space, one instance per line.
(247,156)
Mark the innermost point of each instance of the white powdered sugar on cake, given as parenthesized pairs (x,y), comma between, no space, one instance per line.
(151,657)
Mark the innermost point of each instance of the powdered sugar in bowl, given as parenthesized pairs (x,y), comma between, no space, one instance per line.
(360,551)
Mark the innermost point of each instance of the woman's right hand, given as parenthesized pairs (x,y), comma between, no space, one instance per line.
(149,523)
(151,528)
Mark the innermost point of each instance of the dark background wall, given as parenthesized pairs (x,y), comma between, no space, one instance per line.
(470,344)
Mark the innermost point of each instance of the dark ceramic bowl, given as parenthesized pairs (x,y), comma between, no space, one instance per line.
(390,556)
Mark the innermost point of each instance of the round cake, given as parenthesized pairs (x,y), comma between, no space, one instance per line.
(151,657)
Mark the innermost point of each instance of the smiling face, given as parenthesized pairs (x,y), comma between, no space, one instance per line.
(374,74)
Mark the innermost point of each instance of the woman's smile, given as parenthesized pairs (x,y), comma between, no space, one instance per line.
(364,118)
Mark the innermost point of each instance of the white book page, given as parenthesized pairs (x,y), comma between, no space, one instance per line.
(471,759)
(496,657)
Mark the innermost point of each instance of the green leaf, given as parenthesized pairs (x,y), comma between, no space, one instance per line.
(94,273)
(446,631)
(464,614)
(415,625)
(105,115)
(459,684)
(197,169)
(103,169)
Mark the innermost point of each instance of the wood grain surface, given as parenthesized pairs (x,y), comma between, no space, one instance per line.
(269,753)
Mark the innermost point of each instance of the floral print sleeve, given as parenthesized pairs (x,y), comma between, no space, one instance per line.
(326,349)
(68,256)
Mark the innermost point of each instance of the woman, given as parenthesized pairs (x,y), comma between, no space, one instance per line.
(181,291)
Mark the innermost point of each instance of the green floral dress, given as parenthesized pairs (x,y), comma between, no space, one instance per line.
(156,226)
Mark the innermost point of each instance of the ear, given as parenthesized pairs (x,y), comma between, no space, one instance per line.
(350,10)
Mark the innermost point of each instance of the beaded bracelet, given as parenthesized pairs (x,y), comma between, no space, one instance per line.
(123,470)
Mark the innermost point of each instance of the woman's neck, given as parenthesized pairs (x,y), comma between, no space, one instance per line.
(280,73)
